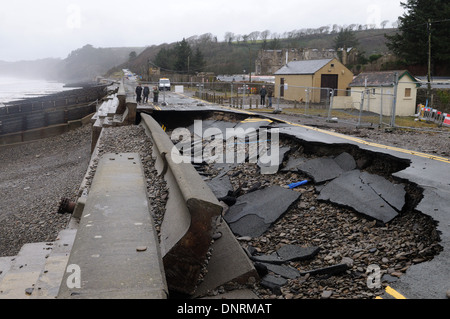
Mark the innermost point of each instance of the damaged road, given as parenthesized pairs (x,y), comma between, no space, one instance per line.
(411,248)
(367,194)
(344,174)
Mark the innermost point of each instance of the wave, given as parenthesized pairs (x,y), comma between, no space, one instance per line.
(13,89)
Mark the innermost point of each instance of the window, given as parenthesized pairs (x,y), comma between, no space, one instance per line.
(408,92)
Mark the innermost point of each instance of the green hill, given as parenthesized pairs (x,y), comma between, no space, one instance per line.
(235,56)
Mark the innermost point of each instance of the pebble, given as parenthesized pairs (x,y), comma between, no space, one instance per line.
(29,291)
(326,294)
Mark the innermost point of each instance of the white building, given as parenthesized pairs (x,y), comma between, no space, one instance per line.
(380,88)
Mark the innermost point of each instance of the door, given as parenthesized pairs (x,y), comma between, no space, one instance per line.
(329,81)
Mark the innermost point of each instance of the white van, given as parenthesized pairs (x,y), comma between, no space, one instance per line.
(164,84)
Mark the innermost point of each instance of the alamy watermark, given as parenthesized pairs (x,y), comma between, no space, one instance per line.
(373,277)
(73,20)
(74,279)
(236,146)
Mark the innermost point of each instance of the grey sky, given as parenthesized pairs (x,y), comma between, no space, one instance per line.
(53,28)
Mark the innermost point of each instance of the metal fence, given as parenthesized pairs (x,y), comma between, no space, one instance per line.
(359,107)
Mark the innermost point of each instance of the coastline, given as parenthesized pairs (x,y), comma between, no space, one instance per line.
(36,117)
(13,89)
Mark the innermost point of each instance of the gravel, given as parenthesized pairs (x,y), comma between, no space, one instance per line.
(342,235)
(35,176)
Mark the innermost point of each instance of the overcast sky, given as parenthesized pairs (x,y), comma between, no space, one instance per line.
(53,28)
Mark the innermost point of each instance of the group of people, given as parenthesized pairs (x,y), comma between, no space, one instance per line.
(263,93)
(142,94)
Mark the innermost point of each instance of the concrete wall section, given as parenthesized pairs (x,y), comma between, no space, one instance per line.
(116,250)
(191,212)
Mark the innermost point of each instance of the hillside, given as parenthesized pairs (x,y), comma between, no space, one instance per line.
(227,57)
(236,56)
(81,65)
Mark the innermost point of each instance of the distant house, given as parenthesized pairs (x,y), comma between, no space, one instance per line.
(379,88)
(269,61)
(312,80)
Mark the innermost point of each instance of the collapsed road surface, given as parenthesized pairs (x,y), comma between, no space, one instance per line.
(400,197)
(315,247)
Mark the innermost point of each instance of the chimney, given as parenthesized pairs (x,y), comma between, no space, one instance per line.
(344,56)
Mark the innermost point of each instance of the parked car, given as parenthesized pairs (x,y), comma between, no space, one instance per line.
(164,84)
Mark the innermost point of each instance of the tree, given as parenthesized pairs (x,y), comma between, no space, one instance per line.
(229,36)
(345,39)
(254,36)
(265,34)
(411,42)
(183,53)
(132,55)
(198,61)
(164,59)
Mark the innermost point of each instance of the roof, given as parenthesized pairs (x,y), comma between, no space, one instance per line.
(378,79)
(437,82)
(303,67)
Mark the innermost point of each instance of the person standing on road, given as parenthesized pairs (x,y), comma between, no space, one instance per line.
(138,93)
(146,93)
(263,93)
(270,96)
(155,94)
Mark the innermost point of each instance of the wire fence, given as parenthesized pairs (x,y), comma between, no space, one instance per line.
(383,106)
(362,108)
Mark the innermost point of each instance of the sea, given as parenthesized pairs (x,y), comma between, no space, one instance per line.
(13,89)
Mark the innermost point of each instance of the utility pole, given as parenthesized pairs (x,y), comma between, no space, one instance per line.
(429,58)
(394,106)
(250,63)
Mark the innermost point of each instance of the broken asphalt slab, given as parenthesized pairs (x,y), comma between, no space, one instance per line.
(371,195)
(292,164)
(273,283)
(321,169)
(255,212)
(327,168)
(330,270)
(269,165)
(220,186)
(288,253)
(346,162)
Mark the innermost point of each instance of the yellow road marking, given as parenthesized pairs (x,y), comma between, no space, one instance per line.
(357,140)
(394,293)
(251,120)
(360,141)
